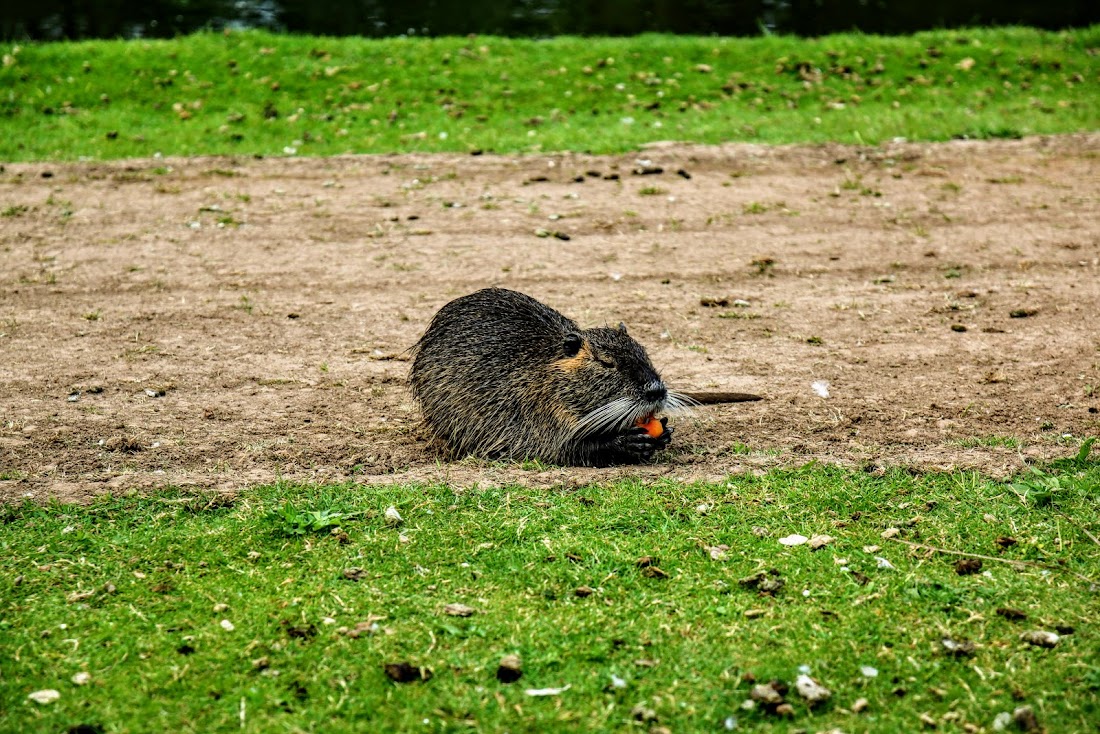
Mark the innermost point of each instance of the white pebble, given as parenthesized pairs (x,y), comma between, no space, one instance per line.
(48,695)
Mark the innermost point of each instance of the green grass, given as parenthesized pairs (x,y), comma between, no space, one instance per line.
(256,93)
(127,590)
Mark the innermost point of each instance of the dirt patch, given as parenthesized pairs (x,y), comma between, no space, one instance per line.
(215,323)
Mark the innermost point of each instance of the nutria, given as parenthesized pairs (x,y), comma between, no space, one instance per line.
(499,375)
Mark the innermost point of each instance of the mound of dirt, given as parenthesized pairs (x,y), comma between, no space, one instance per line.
(215,323)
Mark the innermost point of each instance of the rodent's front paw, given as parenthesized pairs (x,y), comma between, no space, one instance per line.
(637,445)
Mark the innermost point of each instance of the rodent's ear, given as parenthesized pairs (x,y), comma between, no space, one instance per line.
(622,327)
(572,344)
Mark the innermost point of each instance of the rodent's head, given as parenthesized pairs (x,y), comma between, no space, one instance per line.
(610,382)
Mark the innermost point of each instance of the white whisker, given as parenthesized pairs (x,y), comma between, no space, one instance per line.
(604,417)
(678,402)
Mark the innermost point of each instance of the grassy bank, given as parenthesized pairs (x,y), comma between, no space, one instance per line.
(186,614)
(255,93)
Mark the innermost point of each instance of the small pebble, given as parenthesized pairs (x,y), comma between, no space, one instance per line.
(45,696)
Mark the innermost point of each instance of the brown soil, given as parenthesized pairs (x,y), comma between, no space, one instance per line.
(143,344)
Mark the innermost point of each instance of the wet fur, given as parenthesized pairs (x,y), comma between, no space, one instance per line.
(496,375)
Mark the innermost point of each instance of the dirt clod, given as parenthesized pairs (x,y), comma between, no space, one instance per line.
(1026,721)
(1040,638)
(968,566)
(510,669)
(406,673)
(1011,613)
(958,648)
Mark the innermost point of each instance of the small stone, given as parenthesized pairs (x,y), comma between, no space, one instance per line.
(928,721)
(812,691)
(584,591)
(643,713)
(82,678)
(818,542)
(510,669)
(792,540)
(1005,541)
(354,573)
(1040,638)
(717,552)
(784,709)
(219,608)
(890,533)
(760,532)
(860,705)
(261,663)
(227,625)
(44,697)
(458,610)
(766,694)
(393,517)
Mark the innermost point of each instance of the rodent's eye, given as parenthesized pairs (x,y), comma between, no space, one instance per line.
(572,344)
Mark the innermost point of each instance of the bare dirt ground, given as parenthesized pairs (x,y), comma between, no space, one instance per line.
(216,323)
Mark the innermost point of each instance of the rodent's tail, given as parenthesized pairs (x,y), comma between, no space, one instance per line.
(714,398)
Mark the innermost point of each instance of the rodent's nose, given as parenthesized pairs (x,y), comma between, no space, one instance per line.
(655,392)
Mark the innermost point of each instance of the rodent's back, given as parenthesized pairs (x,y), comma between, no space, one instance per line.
(484,379)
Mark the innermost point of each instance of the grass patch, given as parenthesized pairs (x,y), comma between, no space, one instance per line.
(280,611)
(1008,442)
(258,93)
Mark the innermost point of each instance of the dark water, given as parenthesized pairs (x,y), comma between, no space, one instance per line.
(72,19)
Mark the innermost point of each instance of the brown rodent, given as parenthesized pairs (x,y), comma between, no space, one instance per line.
(499,375)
